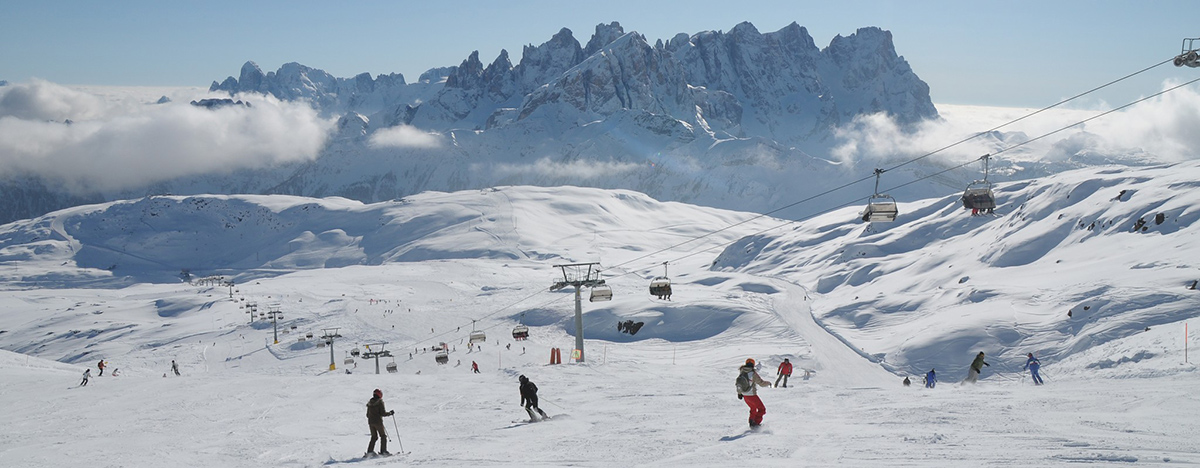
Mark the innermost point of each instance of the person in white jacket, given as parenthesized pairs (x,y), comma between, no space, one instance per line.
(747,381)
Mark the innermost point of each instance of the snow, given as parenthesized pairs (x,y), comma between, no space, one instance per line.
(860,306)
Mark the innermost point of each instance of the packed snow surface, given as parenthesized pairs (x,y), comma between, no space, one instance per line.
(856,307)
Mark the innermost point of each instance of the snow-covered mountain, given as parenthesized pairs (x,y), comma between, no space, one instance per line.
(857,305)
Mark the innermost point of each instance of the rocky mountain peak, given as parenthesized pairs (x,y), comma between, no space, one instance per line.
(605,34)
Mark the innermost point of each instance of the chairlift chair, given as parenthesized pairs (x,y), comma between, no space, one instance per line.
(601,292)
(979,196)
(661,286)
(442,357)
(354,352)
(348,361)
(1188,54)
(391,367)
(308,335)
(320,344)
(477,336)
(520,332)
(881,207)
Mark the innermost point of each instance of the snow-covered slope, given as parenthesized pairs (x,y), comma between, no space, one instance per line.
(104,282)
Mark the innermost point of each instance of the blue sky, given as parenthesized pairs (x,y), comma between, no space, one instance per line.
(1013,53)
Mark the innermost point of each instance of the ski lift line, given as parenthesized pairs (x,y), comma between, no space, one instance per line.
(1031,114)
(848,184)
(443,335)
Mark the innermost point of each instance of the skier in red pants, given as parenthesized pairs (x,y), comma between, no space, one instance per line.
(746,381)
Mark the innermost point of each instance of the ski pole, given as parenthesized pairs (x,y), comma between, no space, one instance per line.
(398,441)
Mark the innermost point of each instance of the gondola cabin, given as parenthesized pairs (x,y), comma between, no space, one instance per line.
(520,332)
(601,293)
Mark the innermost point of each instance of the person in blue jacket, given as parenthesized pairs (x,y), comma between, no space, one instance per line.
(1032,364)
(930,379)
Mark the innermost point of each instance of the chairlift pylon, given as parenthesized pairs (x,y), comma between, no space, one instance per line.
(881,207)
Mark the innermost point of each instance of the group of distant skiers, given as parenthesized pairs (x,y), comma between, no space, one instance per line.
(748,380)
(87,373)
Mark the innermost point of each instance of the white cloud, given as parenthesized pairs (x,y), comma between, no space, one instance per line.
(404,136)
(1162,128)
(115,144)
(574,169)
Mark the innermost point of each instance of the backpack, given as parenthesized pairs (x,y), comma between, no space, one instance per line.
(743,382)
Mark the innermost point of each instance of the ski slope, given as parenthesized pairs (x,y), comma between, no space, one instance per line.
(103,282)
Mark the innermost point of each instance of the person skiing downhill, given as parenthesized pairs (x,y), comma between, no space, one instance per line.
(87,373)
(747,392)
(100,365)
(474,367)
(931,379)
(174,367)
(976,368)
(529,399)
(375,413)
(785,371)
(1032,364)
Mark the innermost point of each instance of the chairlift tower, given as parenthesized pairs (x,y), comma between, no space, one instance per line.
(251,308)
(275,313)
(376,353)
(329,336)
(579,275)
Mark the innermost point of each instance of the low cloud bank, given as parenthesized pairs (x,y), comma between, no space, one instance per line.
(580,169)
(404,136)
(1161,129)
(92,144)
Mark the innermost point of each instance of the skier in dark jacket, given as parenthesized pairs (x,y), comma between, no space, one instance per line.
(1032,364)
(375,413)
(976,368)
(529,399)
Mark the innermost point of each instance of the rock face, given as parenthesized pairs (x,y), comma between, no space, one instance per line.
(727,119)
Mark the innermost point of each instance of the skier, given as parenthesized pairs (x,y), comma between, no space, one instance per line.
(976,368)
(747,379)
(931,379)
(785,371)
(116,371)
(87,373)
(1032,364)
(100,365)
(174,367)
(906,382)
(375,414)
(529,399)
(474,367)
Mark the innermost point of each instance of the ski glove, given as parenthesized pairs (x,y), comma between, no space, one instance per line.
(739,396)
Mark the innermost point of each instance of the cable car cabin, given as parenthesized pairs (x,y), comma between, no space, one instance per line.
(478,336)
(391,368)
(881,209)
(442,357)
(660,287)
(520,332)
(601,293)
(979,196)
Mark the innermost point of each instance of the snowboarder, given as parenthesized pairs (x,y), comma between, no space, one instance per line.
(1032,364)
(746,381)
(474,367)
(529,399)
(976,368)
(785,371)
(931,379)
(87,373)
(100,365)
(174,367)
(375,414)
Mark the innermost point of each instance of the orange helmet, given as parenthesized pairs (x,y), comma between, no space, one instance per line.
(750,362)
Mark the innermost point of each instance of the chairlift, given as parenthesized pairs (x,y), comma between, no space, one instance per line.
(391,367)
(660,286)
(1189,55)
(601,292)
(299,339)
(978,194)
(442,357)
(881,207)
(308,335)
(477,336)
(354,352)
(520,332)
(320,344)
(349,360)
